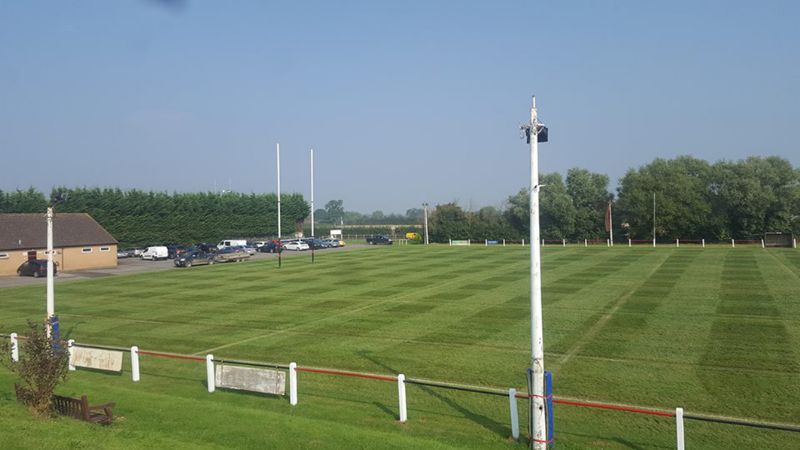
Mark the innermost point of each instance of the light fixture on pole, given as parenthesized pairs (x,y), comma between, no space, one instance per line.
(425,214)
(536,132)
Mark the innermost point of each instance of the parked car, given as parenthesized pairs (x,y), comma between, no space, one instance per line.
(123,254)
(332,243)
(271,247)
(314,243)
(174,250)
(231,254)
(296,245)
(155,253)
(35,268)
(206,247)
(194,258)
(249,249)
(379,240)
(231,243)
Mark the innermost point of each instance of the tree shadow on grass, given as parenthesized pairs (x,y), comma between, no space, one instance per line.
(483,421)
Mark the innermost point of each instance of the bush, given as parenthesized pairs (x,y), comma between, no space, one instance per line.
(43,364)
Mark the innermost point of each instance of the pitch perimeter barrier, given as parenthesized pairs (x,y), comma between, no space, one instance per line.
(512,394)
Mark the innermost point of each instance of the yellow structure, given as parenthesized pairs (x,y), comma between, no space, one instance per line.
(79,242)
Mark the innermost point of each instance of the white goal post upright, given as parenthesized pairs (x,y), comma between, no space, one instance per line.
(278,158)
(539,438)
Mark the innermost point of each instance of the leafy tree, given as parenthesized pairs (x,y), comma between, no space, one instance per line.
(335,210)
(447,222)
(589,194)
(556,211)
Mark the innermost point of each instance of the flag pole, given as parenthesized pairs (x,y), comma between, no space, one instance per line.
(610,224)
(539,433)
(654,218)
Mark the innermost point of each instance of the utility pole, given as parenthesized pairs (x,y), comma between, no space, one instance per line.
(51,301)
(312,192)
(425,214)
(278,156)
(539,438)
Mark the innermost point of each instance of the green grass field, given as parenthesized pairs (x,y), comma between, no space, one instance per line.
(713,330)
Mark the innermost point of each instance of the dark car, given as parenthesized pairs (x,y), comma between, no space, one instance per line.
(314,243)
(194,258)
(174,250)
(35,268)
(271,247)
(379,240)
(206,247)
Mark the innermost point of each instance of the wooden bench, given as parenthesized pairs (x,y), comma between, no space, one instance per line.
(81,410)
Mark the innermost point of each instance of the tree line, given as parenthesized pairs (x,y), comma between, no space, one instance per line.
(694,199)
(137,217)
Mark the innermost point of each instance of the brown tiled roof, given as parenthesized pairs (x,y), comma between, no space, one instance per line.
(29,231)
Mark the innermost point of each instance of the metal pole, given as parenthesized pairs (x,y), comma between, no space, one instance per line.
(312,192)
(425,213)
(537,344)
(278,157)
(610,225)
(654,219)
(51,302)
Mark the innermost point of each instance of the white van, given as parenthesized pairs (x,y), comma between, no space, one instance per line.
(155,253)
(231,243)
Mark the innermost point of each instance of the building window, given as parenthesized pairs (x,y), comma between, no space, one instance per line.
(86,250)
(105,249)
(3,255)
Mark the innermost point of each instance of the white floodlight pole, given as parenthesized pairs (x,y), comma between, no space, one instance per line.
(425,214)
(278,157)
(312,192)
(51,302)
(654,218)
(610,224)
(537,343)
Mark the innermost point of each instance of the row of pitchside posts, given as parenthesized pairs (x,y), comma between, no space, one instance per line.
(608,243)
(264,378)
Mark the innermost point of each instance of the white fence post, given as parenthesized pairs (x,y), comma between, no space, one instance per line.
(762,243)
(563,242)
(451,242)
(210,373)
(585,242)
(608,242)
(504,242)
(794,243)
(486,242)
(401,393)
(70,345)
(523,242)
(629,242)
(679,427)
(135,363)
(14,347)
(292,384)
(677,242)
(512,403)
(733,243)
(704,242)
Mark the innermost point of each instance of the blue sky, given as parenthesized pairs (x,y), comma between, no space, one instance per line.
(403,102)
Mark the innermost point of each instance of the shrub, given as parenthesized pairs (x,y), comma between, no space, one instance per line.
(43,364)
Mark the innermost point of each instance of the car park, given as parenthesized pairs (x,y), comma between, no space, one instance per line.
(231,254)
(35,268)
(296,245)
(231,243)
(194,258)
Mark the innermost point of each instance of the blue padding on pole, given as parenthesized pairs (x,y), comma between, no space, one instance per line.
(548,393)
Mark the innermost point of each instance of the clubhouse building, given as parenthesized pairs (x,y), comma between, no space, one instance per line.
(79,242)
